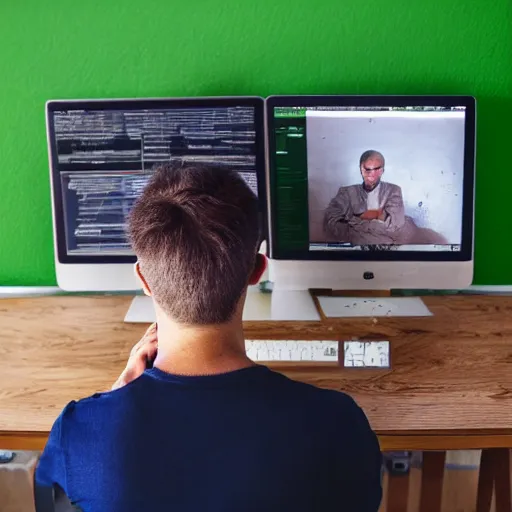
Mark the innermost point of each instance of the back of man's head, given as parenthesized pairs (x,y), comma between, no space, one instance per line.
(195,230)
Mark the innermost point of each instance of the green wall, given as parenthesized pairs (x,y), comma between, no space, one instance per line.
(129,48)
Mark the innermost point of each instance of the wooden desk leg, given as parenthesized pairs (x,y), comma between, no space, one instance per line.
(432,478)
(398,493)
(486,480)
(502,480)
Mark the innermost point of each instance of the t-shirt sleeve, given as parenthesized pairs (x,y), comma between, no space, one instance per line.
(51,468)
(361,466)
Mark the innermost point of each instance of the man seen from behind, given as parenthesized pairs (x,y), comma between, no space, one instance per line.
(205,428)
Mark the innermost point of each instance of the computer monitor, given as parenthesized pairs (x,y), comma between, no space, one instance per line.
(371,192)
(102,153)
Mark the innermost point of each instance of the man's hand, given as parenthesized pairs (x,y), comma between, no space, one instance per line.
(145,350)
(371,214)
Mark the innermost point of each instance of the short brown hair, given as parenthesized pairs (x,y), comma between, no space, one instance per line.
(196,230)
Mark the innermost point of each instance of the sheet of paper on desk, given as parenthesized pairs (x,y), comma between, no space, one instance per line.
(340,307)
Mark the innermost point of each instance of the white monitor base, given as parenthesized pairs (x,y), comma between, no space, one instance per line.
(294,305)
(259,306)
(372,307)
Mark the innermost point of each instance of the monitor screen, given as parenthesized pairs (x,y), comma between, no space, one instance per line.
(103,155)
(368,178)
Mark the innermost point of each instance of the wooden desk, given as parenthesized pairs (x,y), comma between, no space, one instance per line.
(449,387)
(451,374)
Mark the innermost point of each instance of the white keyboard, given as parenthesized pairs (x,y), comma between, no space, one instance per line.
(292,350)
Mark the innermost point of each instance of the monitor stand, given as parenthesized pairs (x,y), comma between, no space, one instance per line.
(294,305)
(260,306)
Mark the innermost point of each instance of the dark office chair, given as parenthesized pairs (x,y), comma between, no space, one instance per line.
(49,499)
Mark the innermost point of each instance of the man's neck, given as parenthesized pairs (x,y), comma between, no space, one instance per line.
(201,350)
(370,189)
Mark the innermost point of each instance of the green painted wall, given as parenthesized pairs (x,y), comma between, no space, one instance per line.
(129,48)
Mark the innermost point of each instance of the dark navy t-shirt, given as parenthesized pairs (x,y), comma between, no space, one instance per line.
(244,441)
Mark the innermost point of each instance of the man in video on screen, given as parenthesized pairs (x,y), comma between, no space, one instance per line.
(373,213)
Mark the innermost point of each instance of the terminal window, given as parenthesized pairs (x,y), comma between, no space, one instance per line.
(104,159)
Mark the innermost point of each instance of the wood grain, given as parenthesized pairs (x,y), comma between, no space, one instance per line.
(36,440)
(451,373)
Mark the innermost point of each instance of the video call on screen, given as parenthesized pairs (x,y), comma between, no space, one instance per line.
(106,157)
(369,178)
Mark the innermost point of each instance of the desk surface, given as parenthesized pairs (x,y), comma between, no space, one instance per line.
(451,373)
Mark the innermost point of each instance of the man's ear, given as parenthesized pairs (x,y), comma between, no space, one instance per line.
(142,280)
(259,269)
